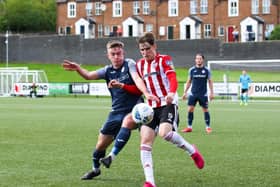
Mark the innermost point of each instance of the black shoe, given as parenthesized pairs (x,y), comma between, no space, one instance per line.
(107,161)
(90,175)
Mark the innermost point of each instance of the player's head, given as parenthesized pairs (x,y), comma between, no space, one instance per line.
(199,59)
(147,46)
(244,72)
(115,52)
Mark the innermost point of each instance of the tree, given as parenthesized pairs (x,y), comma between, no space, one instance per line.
(28,15)
(275,34)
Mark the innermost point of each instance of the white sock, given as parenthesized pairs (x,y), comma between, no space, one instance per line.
(147,163)
(179,141)
(113,156)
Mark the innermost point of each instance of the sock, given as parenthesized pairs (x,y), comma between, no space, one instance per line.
(190,119)
(179,141)
(96,155)
(207,119)
(246,98)
(147,162)
(121,140)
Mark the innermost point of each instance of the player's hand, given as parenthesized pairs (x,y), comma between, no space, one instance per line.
(185,96)
(151,97)
(115,84)
(211,96)
(169,98)
(70,66)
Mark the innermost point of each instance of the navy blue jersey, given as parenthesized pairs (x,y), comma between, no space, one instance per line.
(121,99)
(199,77)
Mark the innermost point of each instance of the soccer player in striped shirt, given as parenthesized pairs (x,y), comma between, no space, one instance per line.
(159,76)
(197,80)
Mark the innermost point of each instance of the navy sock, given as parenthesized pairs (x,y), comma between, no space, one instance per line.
(96,155)
(121,140)
(207,118)
(190,118)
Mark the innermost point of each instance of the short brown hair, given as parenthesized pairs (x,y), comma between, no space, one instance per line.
(147,37)
(114,43)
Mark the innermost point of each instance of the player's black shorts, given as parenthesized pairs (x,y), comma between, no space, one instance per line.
(113,123)
(168,113)
(202,100)
(244,90)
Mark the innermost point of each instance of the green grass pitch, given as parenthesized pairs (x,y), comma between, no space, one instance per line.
(49,142)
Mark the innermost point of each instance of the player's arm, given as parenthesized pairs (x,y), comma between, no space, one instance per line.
(188,85)
(211,94)
(130,88)
(72,66)
(140,83)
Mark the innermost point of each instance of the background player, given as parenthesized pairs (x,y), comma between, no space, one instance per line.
(197,80)
(245,81)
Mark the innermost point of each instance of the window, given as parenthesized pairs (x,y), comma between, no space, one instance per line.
(266,6)
(107,30)
(221,31)
(203,6)
(149,27)
(136,7)
(193,6)
(255,6)
(89,9)
(207,31)
(117,8)
(71,10)
(146,7)
(172,8)
(100,30)
(98,10)
(233,8)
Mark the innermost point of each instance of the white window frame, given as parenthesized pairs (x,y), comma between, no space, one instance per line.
(107,30)
(204,6)
(207,31)
(136,7)
(233,8)
(193,6)
(99,30)
(172,8)
(98,10)
(117,8)
(71,10)
(255,6)
(149,27)
(266,6)
(146,7)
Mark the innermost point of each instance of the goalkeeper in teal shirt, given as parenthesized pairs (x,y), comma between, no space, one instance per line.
(245,81)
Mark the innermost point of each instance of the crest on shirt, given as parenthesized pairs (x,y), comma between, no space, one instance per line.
(170,63)
(203,71)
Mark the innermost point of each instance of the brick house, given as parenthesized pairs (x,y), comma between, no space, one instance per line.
(250,20)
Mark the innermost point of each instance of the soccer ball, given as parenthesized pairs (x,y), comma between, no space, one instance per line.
(142,113)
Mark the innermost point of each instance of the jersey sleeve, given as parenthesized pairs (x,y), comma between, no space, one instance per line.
(101,72)
(131,65)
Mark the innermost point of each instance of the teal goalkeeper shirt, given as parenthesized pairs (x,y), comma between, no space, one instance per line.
(245,81)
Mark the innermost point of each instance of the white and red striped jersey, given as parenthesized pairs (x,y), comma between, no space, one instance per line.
(154,75)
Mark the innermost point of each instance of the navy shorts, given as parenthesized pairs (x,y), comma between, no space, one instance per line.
(113,123)
(168,113)
(244,90)
(202,100)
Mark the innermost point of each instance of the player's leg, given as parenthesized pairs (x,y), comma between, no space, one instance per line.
(191,105)
(147,139)
(121,140)
(106,137)
(168,131)
(242,97)
(246,97)
(99,152)
(203,102)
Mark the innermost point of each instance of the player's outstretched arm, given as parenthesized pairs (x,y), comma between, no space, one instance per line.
(73,66)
